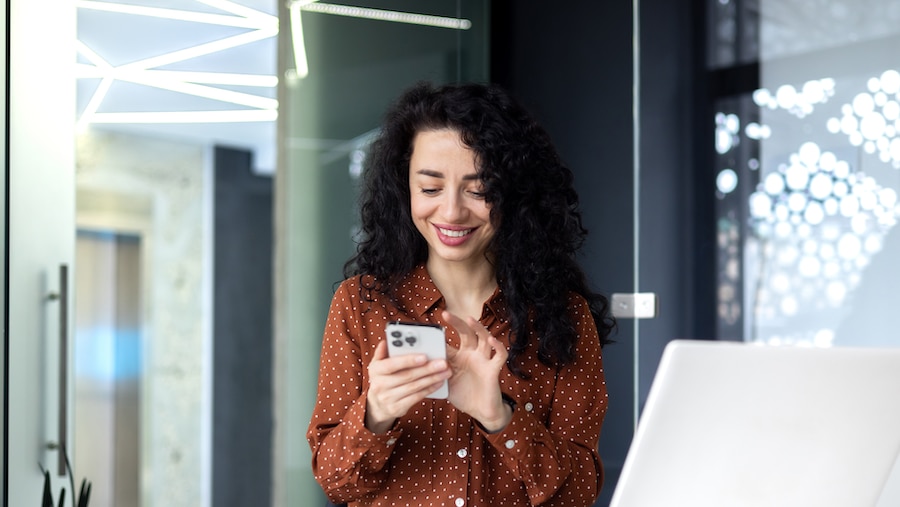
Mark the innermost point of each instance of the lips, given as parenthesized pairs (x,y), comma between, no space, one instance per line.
(454,236)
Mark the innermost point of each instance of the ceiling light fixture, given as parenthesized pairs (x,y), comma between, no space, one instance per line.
(261,26)
(216,78)
(238,116)
(301,64)
(295,7)
(238,10)
(197,90)
(201,84)
(386,15)
(203,49)
(243,18)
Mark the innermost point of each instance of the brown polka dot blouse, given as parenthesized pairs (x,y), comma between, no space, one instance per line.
(436,455)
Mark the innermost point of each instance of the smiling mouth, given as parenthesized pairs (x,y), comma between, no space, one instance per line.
(452,233)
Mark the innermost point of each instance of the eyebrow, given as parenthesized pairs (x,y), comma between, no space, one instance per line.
(438,174)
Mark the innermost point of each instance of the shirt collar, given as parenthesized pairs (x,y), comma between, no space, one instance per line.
(419,293)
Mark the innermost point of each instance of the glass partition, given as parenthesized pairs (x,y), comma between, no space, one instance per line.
(3,248)
(341,67)
(808,165)
(808,174)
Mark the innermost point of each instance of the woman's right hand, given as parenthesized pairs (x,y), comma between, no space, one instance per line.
(398,383)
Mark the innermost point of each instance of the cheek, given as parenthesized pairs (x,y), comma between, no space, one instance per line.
(417,207)
(484,213)
(420,210)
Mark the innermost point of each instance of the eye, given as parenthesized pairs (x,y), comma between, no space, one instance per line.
(477,194)
(430,191)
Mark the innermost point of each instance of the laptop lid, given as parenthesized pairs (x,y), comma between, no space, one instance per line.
(735,424)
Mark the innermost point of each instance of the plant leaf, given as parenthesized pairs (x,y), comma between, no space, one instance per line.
(48,498)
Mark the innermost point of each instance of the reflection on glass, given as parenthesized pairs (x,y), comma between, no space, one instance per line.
(806,235)
(108,366)
(357,61)
(153,189)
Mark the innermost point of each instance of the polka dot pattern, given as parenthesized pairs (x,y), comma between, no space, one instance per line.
(436,455)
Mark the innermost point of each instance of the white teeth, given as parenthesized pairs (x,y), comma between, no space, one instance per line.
(455,234)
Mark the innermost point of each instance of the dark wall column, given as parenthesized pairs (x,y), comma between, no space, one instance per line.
(677,227)
(242,333)
(572,65)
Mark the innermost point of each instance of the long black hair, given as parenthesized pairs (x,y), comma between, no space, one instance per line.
(534,209)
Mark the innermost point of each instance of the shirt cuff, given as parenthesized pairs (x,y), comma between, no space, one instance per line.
(514,438)
(375,449)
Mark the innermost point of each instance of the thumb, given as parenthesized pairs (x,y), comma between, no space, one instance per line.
(380,351)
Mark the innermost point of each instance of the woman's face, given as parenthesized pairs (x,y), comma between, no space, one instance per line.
(446,198)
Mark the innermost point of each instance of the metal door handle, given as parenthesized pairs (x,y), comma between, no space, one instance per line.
(62,297)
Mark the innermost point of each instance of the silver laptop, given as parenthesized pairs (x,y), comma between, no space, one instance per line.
(730,424)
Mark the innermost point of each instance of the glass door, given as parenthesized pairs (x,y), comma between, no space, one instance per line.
(337,83)
(39,250)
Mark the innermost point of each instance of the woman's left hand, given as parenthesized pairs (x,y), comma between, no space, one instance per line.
(476,365)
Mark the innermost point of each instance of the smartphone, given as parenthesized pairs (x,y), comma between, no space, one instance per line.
(418,338)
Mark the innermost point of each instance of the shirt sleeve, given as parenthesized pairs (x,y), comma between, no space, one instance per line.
(348,460)
(558,462)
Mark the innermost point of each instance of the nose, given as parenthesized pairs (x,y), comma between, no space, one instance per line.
(453,208)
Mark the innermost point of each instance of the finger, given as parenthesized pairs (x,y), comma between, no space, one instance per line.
(467,338)
(482,335)
(393,394)
(391,377)
(378,357)
(500,352)
(384,364)
(424,385)
(380,351)
(411,391)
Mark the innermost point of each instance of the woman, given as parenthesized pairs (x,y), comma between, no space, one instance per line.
(469,221)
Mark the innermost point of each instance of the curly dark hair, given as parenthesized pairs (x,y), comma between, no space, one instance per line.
(534,209)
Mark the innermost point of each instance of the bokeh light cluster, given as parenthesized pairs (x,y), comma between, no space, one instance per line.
(872,119)
(728,129)
(818,223)
(728,238)
(799,103)
(814,186)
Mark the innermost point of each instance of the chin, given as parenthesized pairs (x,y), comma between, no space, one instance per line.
(466,257)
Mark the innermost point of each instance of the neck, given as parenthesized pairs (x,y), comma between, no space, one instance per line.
(465,287)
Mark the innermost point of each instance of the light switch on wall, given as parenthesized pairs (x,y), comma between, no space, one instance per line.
(638,305)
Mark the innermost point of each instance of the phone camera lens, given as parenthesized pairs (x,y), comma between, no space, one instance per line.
(397,343)
(411,340)
(396,334)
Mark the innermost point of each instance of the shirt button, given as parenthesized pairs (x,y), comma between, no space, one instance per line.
(529,407)
(391,441)
(510,444)
(460,502)
(462,453)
